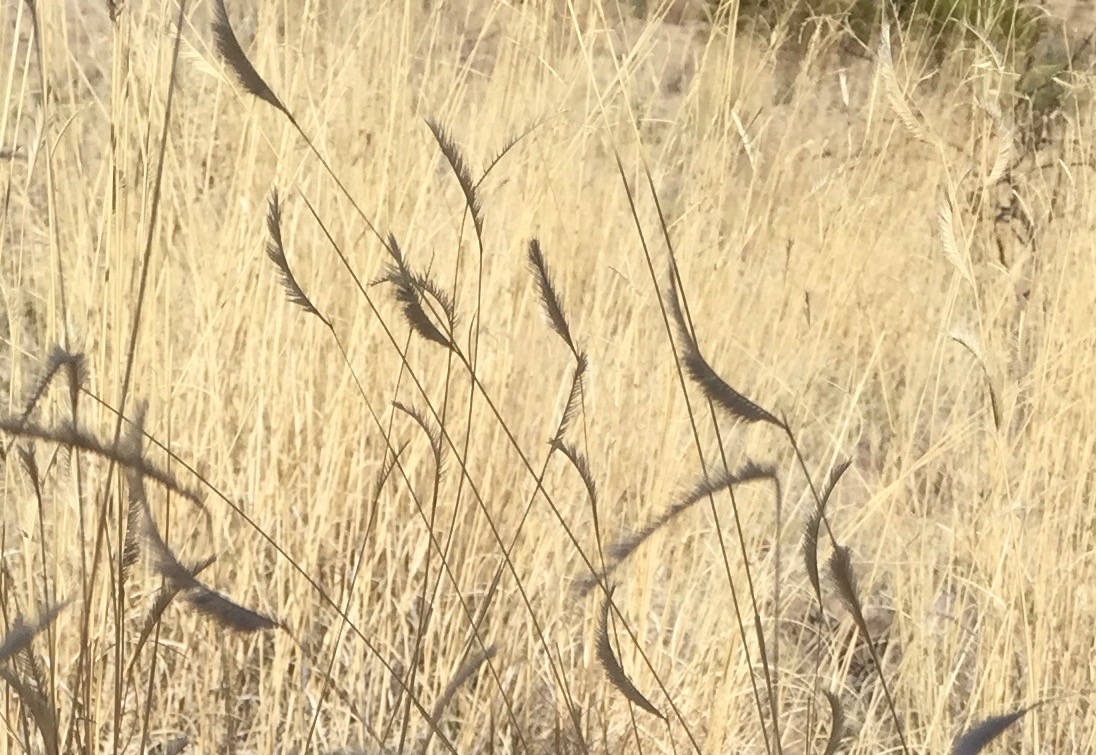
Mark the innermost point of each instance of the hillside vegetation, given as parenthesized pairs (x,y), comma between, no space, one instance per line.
(547,378)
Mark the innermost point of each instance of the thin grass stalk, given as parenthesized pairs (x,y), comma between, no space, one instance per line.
(135,502)
(444,432)
(51,188)
(31,467)
(426,606)
(296,295)
(235,62)
(382,479)
(318,589)
(696,440)
(438,449)
(470,191)
(76,377)
(404,369)
(716,390)
(127,376)
(506,431)
(820,513)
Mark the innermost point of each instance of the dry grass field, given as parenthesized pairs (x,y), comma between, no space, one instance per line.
(891,251)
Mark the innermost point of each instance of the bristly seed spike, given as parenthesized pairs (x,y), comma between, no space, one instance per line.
(234,56)
(612,666)
(275,250)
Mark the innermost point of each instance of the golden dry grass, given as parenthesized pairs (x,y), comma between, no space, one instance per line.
(806,217)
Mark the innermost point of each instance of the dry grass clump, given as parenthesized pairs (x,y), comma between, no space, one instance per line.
(799,463)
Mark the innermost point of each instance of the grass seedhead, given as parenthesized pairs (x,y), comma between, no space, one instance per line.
(715,388)
(612,666)
(837,723)
(700,490)
(453,154)
(844,578)
(549,297)
(172,746)
(949,241)
(467,670)
(895,96)
(42,712)
(73,437)
(970,341)
(437,448)
(177,576)
(811,531)
(574,397)
(227,612)
(22,634)
(581,465)
(275,250)
(410,289)
(57,360)
(156,609)
(974,740)
(228,46)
